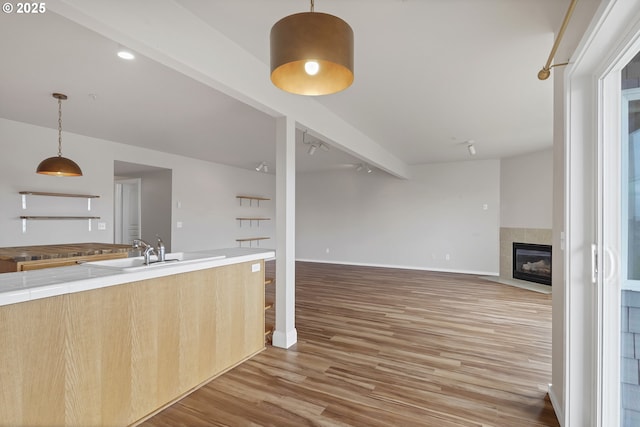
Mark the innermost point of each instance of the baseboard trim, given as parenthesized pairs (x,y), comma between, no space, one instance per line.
(284,339)
(402,267)
(557,408)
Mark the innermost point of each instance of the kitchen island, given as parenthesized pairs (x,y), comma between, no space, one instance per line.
(89,345)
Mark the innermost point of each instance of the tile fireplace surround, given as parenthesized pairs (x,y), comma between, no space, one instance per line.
(540,236)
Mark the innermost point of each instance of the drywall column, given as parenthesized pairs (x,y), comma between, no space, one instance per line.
(285,334)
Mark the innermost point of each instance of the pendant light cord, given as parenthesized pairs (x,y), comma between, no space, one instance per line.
(59,127)
(311,5)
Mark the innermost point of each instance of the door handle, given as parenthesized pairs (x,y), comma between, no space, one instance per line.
(594,263)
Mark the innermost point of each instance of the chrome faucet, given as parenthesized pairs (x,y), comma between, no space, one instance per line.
(160,249)
(147,249)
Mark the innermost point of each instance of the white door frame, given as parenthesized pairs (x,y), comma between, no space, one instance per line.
(119,208)
(593,96)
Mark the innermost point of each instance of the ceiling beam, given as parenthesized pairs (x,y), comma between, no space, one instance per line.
(171,35)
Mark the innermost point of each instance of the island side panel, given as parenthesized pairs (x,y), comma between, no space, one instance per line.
(197,328)
(198,333)
(239,291)
(114,355)
(98,356)
(32,374)
(254,325)
(154,343)
(252,336)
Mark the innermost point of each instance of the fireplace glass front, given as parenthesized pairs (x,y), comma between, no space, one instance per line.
(532,262)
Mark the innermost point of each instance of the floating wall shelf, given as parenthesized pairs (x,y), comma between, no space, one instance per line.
(251,240)
(57,217)
(45,193)
(24,218)
(251,219)
(251,199)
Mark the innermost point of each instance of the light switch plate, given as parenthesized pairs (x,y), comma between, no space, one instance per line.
(255,268)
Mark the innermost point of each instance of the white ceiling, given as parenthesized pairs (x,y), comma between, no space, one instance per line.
(429,75)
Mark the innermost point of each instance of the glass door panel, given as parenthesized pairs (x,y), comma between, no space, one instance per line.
(630,286)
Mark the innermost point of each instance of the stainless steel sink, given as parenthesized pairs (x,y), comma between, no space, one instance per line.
(137,263)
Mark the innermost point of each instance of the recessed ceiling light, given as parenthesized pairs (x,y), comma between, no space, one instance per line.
(125,53)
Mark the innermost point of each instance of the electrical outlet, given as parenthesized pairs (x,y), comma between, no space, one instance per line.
(102,226)
(179,224)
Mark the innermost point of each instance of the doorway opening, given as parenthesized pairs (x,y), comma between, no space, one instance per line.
(142,203)
(126,201)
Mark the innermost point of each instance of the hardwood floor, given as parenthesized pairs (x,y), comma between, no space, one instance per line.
(387,347)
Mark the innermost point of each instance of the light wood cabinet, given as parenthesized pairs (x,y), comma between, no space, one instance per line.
(116,355)
(23,258)
(12,266)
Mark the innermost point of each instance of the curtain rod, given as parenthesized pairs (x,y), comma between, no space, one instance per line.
(546,70)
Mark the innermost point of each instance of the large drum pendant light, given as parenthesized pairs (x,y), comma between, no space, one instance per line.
(58,165)
(312,54)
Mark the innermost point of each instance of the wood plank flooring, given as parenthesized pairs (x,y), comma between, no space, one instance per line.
(388,347)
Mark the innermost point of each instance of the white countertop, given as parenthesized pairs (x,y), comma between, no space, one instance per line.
(31,285)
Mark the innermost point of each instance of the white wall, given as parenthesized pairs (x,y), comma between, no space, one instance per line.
(375,219)
(526,190)
(207,191)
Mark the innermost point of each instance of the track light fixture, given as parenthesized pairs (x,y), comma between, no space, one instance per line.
(362,166)
(313,146)
(471,148)
(262,167)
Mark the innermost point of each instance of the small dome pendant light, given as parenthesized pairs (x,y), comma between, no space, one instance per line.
(311,53)
(59,166)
